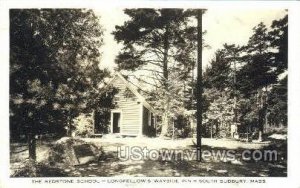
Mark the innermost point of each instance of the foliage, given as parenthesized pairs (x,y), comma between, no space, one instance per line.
(220,94)
(220,113)
(258,71)
(278,104)
(248,79)
(103,107)
(159,43)
(218,74)
(264,63)
(279,41)
(54,73)
(83,125)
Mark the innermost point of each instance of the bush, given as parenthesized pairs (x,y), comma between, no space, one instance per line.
(84,125)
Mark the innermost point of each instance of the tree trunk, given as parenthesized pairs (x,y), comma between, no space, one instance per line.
(69,130)
(260,133)
(263,115)
(265,110)
(217,129)
(248,134)
(165,55)
(260,124)
(32,146)
(211,131)
(173,131)
(165,125)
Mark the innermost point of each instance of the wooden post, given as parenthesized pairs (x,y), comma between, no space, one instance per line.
(199,83)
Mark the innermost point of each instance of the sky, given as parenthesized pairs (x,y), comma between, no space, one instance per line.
(232,26)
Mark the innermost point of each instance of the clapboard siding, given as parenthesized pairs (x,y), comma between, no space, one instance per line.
(127,102)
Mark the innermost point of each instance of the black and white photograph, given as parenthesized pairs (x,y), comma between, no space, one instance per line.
(133,92)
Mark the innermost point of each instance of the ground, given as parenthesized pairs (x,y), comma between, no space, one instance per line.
(110,165)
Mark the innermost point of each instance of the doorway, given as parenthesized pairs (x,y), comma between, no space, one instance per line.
(116,122)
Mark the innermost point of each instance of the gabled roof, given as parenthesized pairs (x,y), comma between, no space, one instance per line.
(134,91)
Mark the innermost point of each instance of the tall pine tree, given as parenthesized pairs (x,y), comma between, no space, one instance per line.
(161,44)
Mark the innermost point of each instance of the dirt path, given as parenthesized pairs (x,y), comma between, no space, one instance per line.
(158,143)
(111,165)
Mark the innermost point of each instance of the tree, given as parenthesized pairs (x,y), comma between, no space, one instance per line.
(277,99)
(265,60)
(258,72)
(217,74)
(278,103)
(220,112)
(220,90)
(54,74)
(161,44)
(279,42)
(251,75)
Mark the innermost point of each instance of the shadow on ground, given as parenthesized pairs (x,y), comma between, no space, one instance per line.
(110,165)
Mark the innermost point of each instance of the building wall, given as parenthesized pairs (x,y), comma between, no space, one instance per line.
(130,108)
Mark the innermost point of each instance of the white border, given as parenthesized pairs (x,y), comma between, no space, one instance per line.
(293,179)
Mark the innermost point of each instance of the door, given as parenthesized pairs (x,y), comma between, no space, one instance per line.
(116,122)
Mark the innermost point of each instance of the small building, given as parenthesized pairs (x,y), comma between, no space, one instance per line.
(132,116)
